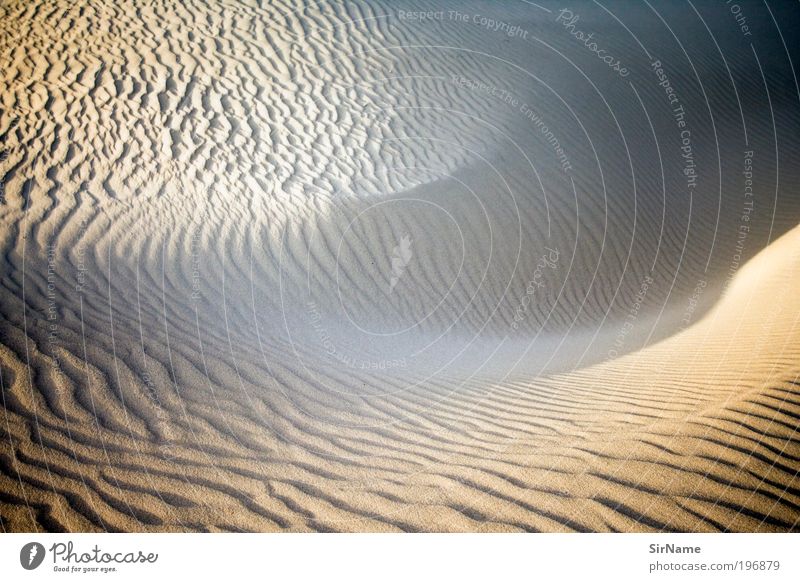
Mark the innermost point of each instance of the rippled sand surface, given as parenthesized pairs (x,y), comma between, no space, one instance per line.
(380,266)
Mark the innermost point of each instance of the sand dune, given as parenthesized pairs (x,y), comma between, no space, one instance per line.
(364,266)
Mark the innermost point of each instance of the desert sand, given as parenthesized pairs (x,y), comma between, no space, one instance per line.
(416,266)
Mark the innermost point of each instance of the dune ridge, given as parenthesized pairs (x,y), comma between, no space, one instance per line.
(278,266)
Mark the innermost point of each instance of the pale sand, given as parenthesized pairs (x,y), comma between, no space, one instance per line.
(264,269)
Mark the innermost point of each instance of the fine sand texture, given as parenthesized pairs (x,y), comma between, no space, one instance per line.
(399,266)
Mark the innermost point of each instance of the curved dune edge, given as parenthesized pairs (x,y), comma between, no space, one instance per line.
(199,174)
(696,433)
